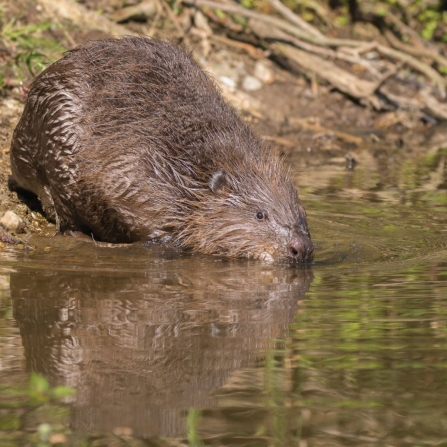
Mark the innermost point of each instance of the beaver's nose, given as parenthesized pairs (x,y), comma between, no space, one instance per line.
(301,249)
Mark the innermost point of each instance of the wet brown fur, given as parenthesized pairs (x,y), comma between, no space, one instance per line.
(128,139)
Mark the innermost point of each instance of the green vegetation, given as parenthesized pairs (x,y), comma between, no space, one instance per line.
(428,18)
(34,405)
(24,48)
(192,424)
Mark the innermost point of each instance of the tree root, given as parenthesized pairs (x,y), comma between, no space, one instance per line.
(307,50)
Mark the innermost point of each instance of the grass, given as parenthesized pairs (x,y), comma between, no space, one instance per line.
(25,49)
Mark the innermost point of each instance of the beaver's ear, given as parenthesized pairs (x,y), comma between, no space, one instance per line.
(218,182)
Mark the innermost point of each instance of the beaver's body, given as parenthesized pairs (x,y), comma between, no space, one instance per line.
(128,139)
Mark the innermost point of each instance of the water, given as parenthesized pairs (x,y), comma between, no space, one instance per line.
(174,348)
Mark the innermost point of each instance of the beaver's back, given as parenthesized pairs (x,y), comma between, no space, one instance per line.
(94,119)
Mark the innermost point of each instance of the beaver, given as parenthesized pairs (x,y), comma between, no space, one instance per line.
(130,140)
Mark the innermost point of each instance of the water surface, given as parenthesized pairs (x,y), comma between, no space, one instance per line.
(169,347)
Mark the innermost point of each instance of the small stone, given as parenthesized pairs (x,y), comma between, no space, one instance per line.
(7,239)
(122,431)
(228,82)
(227,72)
(263,73)
(58,438)
(250,84)
(12,104)
(11,222)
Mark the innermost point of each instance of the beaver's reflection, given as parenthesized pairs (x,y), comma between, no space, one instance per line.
(143,349)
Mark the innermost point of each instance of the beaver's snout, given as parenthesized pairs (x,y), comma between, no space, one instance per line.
(301,249)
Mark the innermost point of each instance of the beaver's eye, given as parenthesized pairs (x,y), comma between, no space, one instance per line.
(260,215)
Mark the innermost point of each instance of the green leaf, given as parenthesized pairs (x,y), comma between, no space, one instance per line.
(60,392)
(38,389)
(10,422)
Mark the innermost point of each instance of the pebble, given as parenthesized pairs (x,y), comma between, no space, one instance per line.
(228,82)
(11,222)
(250,84)
(263,73)
(227,72)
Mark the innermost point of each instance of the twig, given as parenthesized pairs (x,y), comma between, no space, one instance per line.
(318,9)
(339,78)
(280,140)
(307,123)
(254,52)
(366,48)
(265,32)
(422,101)
(302,35)
(417,51)
(175,21)
(151,29)
(405,29)
(69,37)
(275,21)
(432,74)
(433,107)
(293,18)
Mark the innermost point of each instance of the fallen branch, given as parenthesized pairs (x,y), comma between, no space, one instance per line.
(303,46)
(268,33)
(254,52)
(417,51)
(423,101)
(432,106)
(275,21)
(280,140)
(432,74)
(289,15)
(320,40)
(336,76)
